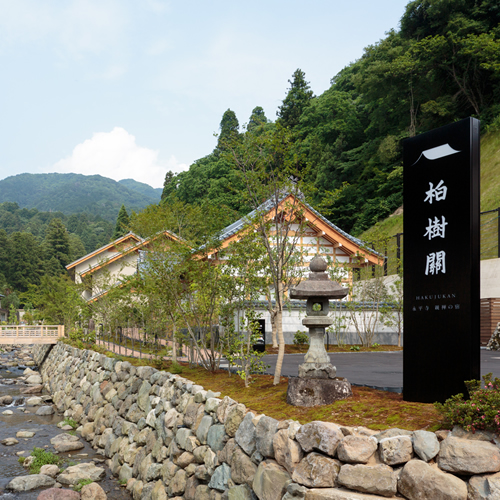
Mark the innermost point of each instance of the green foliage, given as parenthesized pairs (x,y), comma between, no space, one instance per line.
(175,368)
(83,482)
(480,412)
(296,101)
(355,348)
(42,457)
(21,460)
(73,194)
(70,421)
(300,338)
(57,246)
(122,223)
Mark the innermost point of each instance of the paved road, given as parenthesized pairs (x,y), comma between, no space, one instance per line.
(380,370)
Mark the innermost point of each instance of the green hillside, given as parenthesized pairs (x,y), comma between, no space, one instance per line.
(75,193)
(144,189)
(386,229)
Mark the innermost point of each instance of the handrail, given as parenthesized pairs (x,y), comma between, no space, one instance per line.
(32,334)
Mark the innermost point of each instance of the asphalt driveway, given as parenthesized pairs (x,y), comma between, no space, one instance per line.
(380,370)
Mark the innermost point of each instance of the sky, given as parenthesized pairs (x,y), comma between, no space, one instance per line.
(135,88)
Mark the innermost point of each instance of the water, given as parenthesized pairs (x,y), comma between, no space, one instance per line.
(25,418)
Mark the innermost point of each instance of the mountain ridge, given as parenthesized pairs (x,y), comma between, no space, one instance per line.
(76,193)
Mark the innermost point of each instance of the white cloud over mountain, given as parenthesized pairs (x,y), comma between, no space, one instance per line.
(116,155)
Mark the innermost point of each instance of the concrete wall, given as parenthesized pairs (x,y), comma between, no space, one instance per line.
(490,278)
(169,438)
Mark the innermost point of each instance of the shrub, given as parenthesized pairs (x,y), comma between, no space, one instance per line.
(42,457)
(355,348)
(70,421)
(480,412)
(301,338)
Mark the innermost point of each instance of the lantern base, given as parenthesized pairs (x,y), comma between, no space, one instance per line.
(317,370)
(307,392)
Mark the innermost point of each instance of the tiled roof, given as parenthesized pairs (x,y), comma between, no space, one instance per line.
(237,226)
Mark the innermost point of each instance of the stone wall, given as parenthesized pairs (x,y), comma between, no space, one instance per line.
(40,352)
(170,438)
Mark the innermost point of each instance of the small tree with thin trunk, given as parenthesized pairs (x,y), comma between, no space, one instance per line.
(272,172)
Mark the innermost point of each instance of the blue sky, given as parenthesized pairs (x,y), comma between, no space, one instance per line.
(132,89)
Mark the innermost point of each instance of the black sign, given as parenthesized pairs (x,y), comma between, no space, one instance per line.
(441,262)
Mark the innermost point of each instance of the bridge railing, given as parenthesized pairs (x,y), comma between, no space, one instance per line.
(30,334)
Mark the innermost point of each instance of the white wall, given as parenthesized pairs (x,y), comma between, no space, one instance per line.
(490,278)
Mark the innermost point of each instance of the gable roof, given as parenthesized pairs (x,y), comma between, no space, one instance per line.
(117,242)
(119,254)
(333,233)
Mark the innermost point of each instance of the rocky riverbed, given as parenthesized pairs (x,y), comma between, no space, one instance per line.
(28,420)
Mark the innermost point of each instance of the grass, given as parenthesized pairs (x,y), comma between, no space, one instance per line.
(83,482)
(42,457)
(70,421)
(367,407)
(371,408)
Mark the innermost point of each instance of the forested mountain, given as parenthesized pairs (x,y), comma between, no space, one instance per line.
(144,189)
(76,193)
(91,230)
(442,65)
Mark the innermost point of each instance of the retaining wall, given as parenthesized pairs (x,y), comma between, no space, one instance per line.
(171,438)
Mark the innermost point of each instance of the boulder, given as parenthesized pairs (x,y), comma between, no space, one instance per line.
(58,494)
(396,450)
(220,478)
(31,482)
(419,480)
(234,418)
(242,468)
(245,435)
(465,456)
(45,410)
(264,433)
(287,452)
(66,442)
(50,470)
(270,480)
(425,445)
(316,471)
(319,436)
(93,491)
(484,487)
(76,473)
(379,479)
(356,449)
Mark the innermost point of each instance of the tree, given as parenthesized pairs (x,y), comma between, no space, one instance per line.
(58,300)
(122,223)
(229,129)
(272,173)
(257,119)
(296,101)
(168,185)
(26,261)
(57,246)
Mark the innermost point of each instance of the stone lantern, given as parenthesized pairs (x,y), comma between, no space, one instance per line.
(317,383)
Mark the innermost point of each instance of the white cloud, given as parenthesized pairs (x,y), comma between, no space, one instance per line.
(116,155)
(78,27)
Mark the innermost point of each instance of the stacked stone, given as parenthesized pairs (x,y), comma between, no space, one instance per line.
(169,438)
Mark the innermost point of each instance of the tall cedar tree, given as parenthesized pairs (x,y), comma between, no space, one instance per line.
(122,223)
(57,246)
(229,129)
(296,101)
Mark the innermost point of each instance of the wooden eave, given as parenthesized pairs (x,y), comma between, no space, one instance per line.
(105,248)
(317,224)
(135,248)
